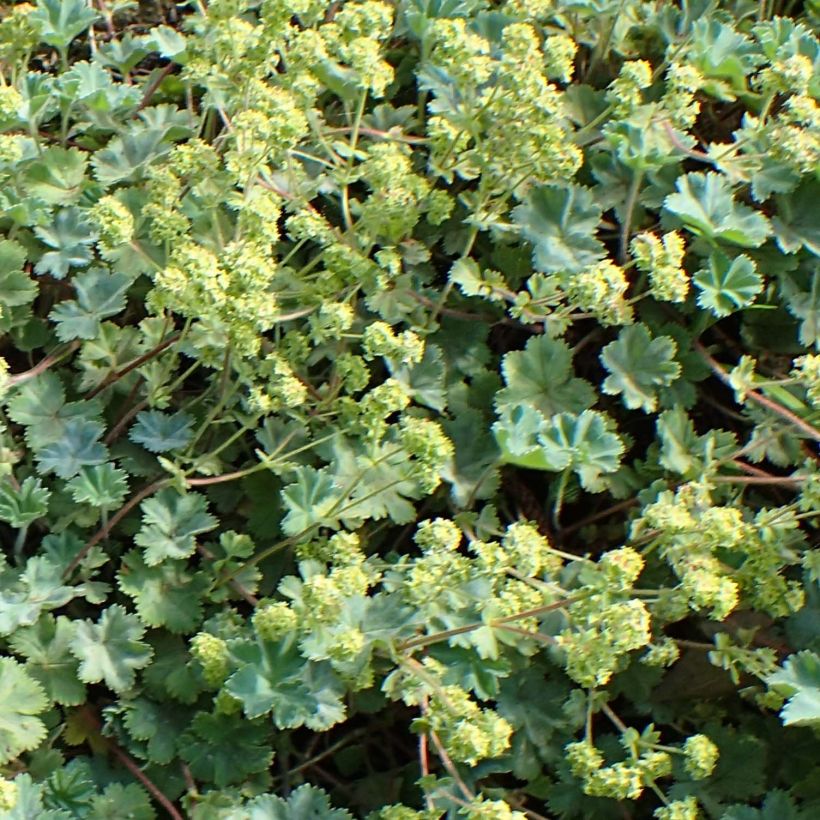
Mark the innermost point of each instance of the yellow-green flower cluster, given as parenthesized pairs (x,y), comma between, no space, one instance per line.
(353,38)
(503,93)
(114,222)
(18,32)
(10,103)
(662,259)
(432,450)
(529,552)
(8,794)
(394,206)
(583,758)
(438,534)
(212,654)
(701,756)
(601,291)
(600,635)
(559,57)
(11,148)
(468,732)
(620,568)
(167,222)
(679,104)
(273,621)
(379,339)
(624,780)
(331,321)
(662,653)
(790,75)
(234,292)
(625,91)
(434,578)
(807,369)
(686,809)
(481,809)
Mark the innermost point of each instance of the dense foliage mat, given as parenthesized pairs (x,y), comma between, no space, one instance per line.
(410,409)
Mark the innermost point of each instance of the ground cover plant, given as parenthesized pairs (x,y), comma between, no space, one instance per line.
(409,409)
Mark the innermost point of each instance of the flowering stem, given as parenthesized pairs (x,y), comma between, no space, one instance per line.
(759,398)
(450,766)
(436,637)
(631,201)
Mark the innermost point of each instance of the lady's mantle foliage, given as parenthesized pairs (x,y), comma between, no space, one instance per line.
(308,308)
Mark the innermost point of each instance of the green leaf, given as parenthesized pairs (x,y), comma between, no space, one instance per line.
(122,802)
(99,295)
(21,699)
(560,223)
(169,675)
(706,206)
(276,678)
(168,41)
(111,650)
(377,480)
(166,595)
(638,366)
(778,805)
(471,472)
(69,236)
(310,501)
(720,52)
(517,433)
(128,156)
(305,803)
(57,175)
(38,588)
(79,447)
(582,443)
(170,524)
(16,286)
(542,376)
(160,432)
(39,405)
(799,681)
(46,648)
(102,486)
(727,284)
(29,805)
(795,223)
(210,748)
(804,305)
(159,725)
(424,381)
(60,21)
(21,505)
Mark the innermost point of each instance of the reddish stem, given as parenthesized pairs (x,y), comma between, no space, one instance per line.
(115,519)
(124,371)
(759,398)
(94,722)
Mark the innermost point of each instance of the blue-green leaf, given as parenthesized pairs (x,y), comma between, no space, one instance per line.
(727,284)
(170,524)
(111,650)
(160,432)
(99,295)
(79,447)
(560,223)
(705,204)
(638,365)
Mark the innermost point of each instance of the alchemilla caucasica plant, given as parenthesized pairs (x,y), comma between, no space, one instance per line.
(410,409)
